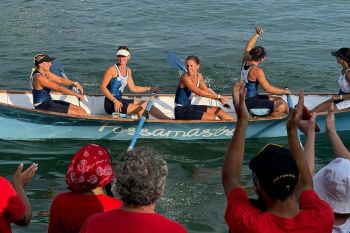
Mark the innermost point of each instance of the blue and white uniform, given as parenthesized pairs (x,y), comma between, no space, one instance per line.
(42,99)
(253,99)
(184,110)
(344,88)
(116,87)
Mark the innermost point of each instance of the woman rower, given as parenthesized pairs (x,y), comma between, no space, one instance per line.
(342,100)
(193,81)
(43,81)
(253,75)
(115,79)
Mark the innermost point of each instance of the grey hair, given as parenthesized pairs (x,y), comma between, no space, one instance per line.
(140,176)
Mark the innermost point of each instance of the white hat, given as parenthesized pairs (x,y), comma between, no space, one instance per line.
(332,184)
(123,52)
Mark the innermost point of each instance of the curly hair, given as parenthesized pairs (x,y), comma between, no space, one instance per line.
(257,53)
(141,175)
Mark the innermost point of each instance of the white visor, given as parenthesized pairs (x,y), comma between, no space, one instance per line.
(122,52)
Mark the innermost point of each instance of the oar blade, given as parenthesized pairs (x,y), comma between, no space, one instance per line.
(175,61)
(57,68)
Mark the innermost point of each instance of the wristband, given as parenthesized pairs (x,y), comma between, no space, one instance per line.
(257,35)
(341,97)
(149,88)
(75,83)
(219,96)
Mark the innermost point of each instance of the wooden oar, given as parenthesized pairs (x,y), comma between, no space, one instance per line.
(141,122)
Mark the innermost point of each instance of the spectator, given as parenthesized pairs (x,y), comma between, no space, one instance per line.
(89,171)
(14,203)
(332,182)
(276,172)
(140,183)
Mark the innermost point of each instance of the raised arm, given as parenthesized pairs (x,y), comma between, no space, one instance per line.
(231,168)
(295,147)
(308,129)
(20,180)
(251,42)
(338,146)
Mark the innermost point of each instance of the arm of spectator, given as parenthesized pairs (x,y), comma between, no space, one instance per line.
(232,164)
(20,180)
(338,146)
(295,147)
(308,129)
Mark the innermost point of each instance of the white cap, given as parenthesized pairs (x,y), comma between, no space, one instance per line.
(332,184)
(123,52)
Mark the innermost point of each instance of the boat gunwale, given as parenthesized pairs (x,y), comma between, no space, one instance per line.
(108,118)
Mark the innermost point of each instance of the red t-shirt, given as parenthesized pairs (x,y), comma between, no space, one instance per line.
(130,222)
(69,210)
(315,215)
(11,206)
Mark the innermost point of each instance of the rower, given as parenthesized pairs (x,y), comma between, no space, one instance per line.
(253,75)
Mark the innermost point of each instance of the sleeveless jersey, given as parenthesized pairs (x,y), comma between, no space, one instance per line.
(344,85)
(183,96)
(39,96)
(252,87)
(117,84)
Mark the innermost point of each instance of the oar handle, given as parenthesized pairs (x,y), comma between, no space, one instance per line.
(289,101)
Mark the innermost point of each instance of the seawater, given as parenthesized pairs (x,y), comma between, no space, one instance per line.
(84,35)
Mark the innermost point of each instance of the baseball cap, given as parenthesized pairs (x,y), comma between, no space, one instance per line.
(276,170)
(40,58)
(343,53)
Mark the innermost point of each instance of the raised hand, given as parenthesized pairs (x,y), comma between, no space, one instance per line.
(259,30)
(308,126)
(238,96)
(295,116)
(20,178)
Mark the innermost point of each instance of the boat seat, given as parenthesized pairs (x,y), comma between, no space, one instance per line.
(259,112)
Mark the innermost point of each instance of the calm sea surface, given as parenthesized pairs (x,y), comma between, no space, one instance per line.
(84,34)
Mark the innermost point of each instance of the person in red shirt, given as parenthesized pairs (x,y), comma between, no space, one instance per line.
(14,203)
(276,173)
(89,171)
(140,182)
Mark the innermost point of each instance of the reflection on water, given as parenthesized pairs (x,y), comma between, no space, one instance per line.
(193,196)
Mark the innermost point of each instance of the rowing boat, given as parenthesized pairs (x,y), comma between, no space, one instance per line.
(20,121)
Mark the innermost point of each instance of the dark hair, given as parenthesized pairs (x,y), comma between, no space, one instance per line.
(123,47)
(257,53)
(194,58)
(344,53)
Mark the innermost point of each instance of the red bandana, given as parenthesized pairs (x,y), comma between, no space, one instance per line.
(89,168)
